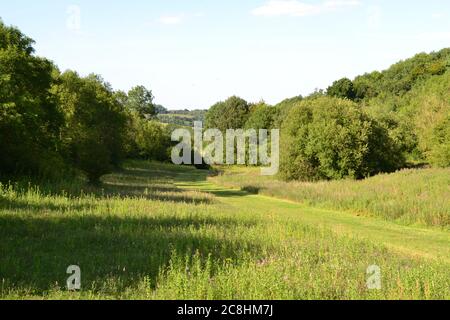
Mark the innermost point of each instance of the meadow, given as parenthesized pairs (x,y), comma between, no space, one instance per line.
(410,197)
(158,231)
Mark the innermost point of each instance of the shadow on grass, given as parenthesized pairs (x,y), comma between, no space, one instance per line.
(145,180)
(36,252)
(251,189)
(229,193)
(18,205)
(36,249)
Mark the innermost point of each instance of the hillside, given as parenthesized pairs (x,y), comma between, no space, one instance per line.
(184,118)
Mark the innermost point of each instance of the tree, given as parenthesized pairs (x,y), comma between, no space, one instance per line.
(140,100)
(366,86)
(152,139)
(159,109)
(332,138)
(230,114)
(431,105)
(403,76)
(342,89)
(29,118)
(93,137)
(283,108)
(262,116)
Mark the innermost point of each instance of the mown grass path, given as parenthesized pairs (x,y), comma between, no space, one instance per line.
(417,242)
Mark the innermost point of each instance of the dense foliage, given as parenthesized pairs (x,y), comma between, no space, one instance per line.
(92,138)
(431,104)
(343,88)
(140,100)
(230,114)
(332,138)
(262,116)
(402,76)
(29,118)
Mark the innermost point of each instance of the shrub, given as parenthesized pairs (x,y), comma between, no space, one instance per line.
(332,138)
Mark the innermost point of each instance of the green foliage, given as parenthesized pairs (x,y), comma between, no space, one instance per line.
(184,118)
(230,114)
(431,106)
(93,137)
(365,86)
(262,116)
(331,138)
(342,89)
(283,109)
(159,109)
(152,139)
(29,118)
(140,100)
(402,76)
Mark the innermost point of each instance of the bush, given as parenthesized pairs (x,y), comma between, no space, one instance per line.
(332,138)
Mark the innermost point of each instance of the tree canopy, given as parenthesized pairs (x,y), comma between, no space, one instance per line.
(230,114)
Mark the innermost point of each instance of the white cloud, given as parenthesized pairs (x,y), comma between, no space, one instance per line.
(300,9)
(171,20)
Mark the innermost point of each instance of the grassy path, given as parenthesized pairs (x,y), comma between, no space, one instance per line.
(412,241)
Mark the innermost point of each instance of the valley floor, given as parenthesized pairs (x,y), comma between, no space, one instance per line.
(157,231)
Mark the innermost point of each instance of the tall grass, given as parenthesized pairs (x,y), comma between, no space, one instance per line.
(140,237)
(411,197)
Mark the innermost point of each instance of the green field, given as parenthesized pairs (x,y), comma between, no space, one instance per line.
(157,231)
(409,197)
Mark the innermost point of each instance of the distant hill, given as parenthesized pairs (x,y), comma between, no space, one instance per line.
(181,117)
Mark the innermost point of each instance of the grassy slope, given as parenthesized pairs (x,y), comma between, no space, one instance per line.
(148,234)
(409,197)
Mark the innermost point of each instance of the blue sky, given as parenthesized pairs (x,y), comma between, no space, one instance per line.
(195,53)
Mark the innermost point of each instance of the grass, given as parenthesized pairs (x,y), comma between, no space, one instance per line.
(156,231)
(410,197)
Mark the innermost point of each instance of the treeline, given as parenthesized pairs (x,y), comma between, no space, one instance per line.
(54,123)
(378,122)
(185,118)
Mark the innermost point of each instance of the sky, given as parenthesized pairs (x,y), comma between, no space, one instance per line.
(193,53)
